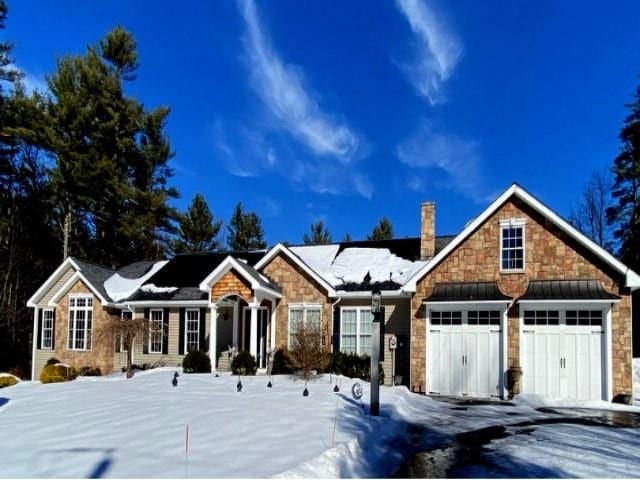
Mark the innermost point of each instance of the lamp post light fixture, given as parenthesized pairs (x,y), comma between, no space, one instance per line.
(376,308)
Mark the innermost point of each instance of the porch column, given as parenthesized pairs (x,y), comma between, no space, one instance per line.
(235,326)
(213,333)
(34,341)
(253,331)
(274,309)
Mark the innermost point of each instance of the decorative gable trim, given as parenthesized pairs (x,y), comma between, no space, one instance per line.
(280,248)
(632,279)
(228,264)
(53,278)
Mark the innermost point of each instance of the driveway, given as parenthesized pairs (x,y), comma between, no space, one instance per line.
(555,442)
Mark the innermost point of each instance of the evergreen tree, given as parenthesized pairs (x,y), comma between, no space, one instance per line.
(625,213)
(347,238)
(111,171)
(245,231)
(320,234)
(382,231)
(197,231)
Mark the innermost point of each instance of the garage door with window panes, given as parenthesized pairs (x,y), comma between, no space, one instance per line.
(464,352)
(562,352)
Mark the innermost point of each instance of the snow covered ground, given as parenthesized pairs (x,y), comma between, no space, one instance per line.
(113,427)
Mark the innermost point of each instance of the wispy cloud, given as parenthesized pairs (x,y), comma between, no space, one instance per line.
(432,152)
(438,48)
(30,81)
(282,88)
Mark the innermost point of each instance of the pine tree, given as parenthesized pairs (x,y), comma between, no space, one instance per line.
(347,238)
(197,231)
(625,214)
(111,171)
(320,234)
(382,231)
(245,231)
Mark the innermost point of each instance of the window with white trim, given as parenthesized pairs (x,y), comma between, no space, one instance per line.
(541,317)
(446,317)
(512,246)
(80,322)
(155,331)
(355,330)
(47,329)
(584,318)
(309,316)
(192,330)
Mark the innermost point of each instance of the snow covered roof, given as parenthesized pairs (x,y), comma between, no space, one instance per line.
(350,266)
(119,287)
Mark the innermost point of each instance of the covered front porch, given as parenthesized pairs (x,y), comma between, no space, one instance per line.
(243,304)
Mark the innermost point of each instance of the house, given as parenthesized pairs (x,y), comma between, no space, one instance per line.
(518,287)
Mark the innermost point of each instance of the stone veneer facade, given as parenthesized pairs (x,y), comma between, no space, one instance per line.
(549,255)
(102,352)
(297,288)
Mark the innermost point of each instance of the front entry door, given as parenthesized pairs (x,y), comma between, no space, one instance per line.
(261,354)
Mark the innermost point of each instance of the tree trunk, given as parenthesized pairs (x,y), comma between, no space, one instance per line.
(67,233)
(129,359)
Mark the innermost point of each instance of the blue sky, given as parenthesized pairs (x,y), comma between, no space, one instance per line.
(347,111)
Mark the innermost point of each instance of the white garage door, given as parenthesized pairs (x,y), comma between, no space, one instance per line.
(464,352)
(562,354)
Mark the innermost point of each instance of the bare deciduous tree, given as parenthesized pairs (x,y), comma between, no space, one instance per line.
(589,215)
(306,352)
(125,330)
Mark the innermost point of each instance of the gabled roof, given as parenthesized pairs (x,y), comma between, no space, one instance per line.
(91,274)
(280,248)
(257,281)
(632,279)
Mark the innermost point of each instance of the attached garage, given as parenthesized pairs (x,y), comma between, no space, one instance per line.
(466,339)
(565,339)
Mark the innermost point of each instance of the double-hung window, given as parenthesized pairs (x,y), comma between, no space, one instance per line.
(80,322)
(192,330)
(47,329)
(155,331)
(309,316)
(355,330)
(512,245)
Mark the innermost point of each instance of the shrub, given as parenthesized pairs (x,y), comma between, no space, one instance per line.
(18,372)
(196,362)
(90,372)
(57,373)
(52,361)
(281,362)
(353,366)
(244,364)
(306,352)
(7,380)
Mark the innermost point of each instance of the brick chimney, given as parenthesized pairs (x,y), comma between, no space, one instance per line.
(427,230)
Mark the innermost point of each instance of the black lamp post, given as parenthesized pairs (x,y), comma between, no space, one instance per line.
(376,308)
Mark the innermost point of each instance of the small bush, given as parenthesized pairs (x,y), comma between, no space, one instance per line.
(19,372)
(196,362)
(58,373)
(90,372)
(7,381)
(353,366)
(244,364)
(52,361)
(281,362)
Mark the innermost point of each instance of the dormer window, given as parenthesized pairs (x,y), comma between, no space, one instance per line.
(512,246)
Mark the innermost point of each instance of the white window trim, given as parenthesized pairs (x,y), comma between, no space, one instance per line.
(161,329)
(514,222)
(44,314)
(186,329)
(304,307)
(87,332)
(358,310)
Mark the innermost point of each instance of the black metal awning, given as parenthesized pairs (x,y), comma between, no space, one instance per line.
(567,290)
(467,292)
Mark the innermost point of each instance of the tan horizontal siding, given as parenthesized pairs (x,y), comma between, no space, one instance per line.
(44,301)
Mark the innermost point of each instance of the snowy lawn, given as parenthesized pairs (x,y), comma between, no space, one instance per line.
(114,427)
